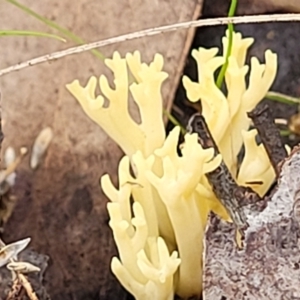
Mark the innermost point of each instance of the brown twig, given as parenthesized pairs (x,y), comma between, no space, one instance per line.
(17,291)
(13,166)
(223,184)
(27,286)
(151,32)
(269,134)
(182,60)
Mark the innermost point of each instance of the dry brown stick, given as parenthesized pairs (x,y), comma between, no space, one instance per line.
(151,32)
(269,134)
(12,167)
(27,286)
(17,291)
(182,60)
(223,184)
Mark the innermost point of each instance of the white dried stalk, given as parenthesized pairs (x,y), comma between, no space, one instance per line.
(151,32)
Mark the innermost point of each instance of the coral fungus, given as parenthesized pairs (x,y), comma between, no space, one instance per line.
(160,238)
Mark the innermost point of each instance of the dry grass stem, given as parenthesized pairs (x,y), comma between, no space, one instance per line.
(27,286)
(151,32)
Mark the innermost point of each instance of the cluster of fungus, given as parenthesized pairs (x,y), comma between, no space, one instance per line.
(160,236)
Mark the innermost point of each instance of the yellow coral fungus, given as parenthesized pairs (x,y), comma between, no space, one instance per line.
(226,115)
(115,119)
(160,238)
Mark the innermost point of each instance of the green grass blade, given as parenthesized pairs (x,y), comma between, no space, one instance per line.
(230,27)
(175,122)
(30,33)
(285,132)
(274,96)
(67,33)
